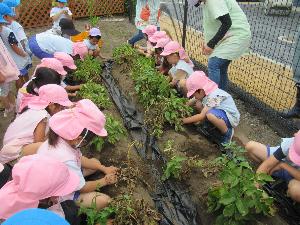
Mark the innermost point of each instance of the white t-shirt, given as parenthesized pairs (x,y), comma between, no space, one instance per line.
(56,10)
(181,65)
(20,61)
(89,45)
(20,34)
(51,43)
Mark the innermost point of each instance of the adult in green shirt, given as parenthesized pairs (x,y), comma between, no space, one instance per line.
(227,36)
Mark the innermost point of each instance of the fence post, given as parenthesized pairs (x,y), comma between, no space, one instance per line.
(184,23)
(131,10)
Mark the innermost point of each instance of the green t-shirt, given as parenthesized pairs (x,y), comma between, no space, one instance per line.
(237,40)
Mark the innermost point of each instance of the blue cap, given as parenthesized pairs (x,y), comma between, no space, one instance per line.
(5,10)
(2,20)
(35,217)
(11,3)
(62,1)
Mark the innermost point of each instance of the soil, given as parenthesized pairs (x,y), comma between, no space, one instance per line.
(190,142)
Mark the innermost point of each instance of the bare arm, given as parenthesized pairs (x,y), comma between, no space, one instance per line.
(39,134)
(18,50)
(94,185)
(268,165)
(73,88)
(291,170)
(196,118)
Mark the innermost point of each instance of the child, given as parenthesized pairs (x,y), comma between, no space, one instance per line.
(14,5)
(59,12)
(43,76)
(163,65)
(16,27)
(159,48)
(213,104)
(14,47)
(70,130)
(28,130)
(8,73)
(93,41)
(282,161)
(148,32)
(181,70)
(35,178)
(44,45)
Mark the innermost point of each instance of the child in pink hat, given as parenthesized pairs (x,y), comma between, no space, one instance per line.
(35,178)
(213,104)
(158,49)
(69,65)
(70,130)
(149,30)
(25,134)
(281,161)
(42,77)
(180,70)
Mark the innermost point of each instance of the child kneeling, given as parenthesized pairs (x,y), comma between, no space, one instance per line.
(213,104)
(282,161)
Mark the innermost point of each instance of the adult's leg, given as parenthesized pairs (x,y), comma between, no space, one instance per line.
(137,37)
(257,151)
(224,65)
(86,199)
(214,71)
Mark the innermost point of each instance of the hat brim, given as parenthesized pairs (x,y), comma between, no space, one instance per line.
(72,67)
(66,103)
(165,53)
(1,167)
(70,185)
(102,133)
(293,155)
(63,73)
(190,93)
(70,32)
(153,40)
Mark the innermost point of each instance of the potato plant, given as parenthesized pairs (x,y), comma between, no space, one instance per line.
(87,70)
(115,131)
(124,54)
(96,93)
(237,200)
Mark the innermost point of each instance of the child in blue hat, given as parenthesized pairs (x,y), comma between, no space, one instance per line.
(60,11)
(14,46)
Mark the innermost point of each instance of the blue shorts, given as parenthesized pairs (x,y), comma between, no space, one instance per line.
(36,50)
(282,174)
(24,71)
(76,195)
(221,114)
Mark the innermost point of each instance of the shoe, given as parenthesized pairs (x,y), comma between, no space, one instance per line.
(227,137)
(295,111)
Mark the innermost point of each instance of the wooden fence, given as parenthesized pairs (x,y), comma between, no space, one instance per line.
(36,13)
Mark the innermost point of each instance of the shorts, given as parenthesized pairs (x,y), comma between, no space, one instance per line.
(5,89)
(76,195)
(221,114)
(36,50)
(282,174)
(25,71)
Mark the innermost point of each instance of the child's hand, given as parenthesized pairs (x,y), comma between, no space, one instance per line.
(110,179)
(110,170)
(87,27)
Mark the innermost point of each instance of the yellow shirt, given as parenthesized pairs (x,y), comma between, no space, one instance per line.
(82,36)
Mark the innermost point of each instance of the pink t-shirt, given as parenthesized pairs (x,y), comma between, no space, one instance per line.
(20,133)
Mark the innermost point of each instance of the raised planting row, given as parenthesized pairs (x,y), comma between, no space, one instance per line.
(236,198)
(161,103)
(124,207)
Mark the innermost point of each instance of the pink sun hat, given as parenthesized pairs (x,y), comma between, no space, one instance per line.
(65,59)
(70,123)
(1,167)
(50,93)
(157,35)
(79,48)
(34,178)
(150,30)
(161,43)
(53,64)
(294,151)
(198,80)
(174,47)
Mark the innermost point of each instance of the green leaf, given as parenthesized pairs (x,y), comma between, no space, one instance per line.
(229,210)
(242,208)
(227,199)
(264,177)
